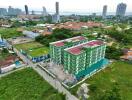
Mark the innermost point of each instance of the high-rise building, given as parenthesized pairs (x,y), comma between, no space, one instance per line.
(33,13)
(17,11)
(44,12)
(3,11)
(57,8)
(26,10)
(14,11)
(104,11)
(57,48)
(10,11)
(121,9)
(56,16)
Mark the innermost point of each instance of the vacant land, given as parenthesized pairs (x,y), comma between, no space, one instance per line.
(26,84)
(27,46)
(119,73)
(10,32)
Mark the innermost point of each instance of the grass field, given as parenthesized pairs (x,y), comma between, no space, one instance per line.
(117,73)
(29,45)
(10,32)
(33,48)
(38,51)
(26,84)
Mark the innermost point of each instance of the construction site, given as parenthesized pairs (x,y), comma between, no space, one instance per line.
(73,59)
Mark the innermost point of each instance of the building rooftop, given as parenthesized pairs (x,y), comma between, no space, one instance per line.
(70,40)
(79,48)
(8,61)
(127,55)
(79,25)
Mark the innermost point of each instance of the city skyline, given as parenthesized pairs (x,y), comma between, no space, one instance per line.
(68,5)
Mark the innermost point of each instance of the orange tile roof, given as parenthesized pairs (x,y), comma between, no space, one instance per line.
(127,55)
(78,25)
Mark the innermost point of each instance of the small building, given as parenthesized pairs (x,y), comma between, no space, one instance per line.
(30,34)
(8,64)
(4,43)
(127,55)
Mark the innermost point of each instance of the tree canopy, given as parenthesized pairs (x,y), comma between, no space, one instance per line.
(57,34)
(113,53)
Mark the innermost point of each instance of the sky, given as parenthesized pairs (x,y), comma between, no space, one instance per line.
(67,5)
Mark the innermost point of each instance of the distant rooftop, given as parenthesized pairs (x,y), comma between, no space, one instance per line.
(127,55)
(70,40)
(79,25)
(78,49)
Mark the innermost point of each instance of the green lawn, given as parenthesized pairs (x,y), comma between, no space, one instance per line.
(38,51)
(33,48)
(26,84)
(117,73)
(10,32)
(29,45)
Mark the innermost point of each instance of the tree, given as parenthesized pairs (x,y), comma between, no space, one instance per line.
(4,50)
(113,53)
(57,34)
(16,24)
(31,23)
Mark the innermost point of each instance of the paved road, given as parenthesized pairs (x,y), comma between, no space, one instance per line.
(2,75)
(54,82)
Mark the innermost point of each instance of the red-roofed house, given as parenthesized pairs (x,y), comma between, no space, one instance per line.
(7,64)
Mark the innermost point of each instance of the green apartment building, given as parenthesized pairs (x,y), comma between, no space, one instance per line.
(84,58)
(57,48)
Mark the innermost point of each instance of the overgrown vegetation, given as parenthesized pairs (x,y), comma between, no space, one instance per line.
(10,33)
(112,94)
(124,36)
(113,53)
(113,83)
(27,84)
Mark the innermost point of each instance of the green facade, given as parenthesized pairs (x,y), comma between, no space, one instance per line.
(88,56)
(57,53)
